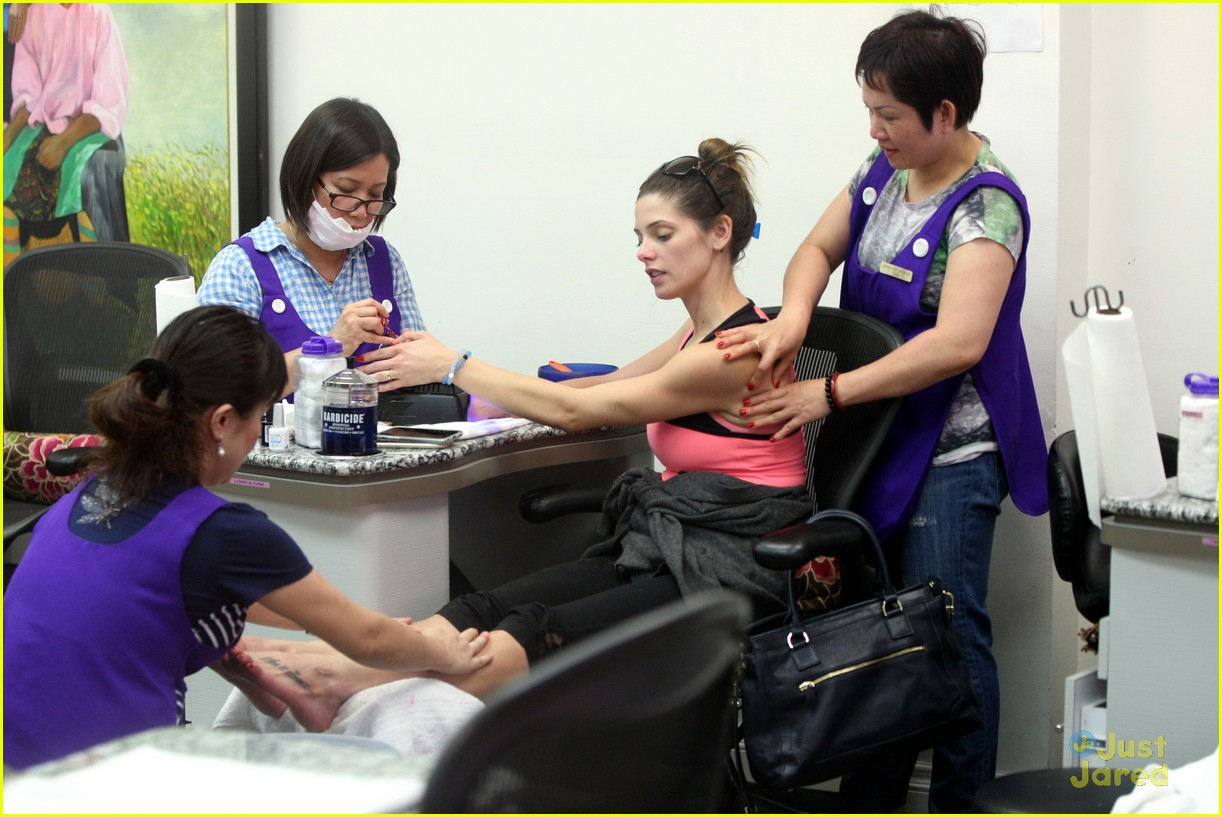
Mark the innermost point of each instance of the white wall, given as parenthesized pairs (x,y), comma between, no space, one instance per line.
(526,129)
(1153,226)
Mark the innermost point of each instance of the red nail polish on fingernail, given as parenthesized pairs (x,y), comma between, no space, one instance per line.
(751,424)
(721,344)
(772,439)
(750,387)
(717,334)
(747,402)
(727,355)
(360,359)
(742,412)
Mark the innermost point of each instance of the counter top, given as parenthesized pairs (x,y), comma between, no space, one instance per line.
(1168,506)
(160,772)
(310,461)
(404,473)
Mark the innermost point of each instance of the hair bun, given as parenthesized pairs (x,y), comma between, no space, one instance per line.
(156,376)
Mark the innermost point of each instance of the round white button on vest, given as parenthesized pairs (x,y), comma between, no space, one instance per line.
(278,306)
(388,306)
(920,248)
(869,195)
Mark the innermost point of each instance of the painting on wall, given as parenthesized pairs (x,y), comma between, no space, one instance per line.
(130,136)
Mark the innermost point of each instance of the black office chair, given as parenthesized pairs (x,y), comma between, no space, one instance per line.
(634,719)
(76,317)
(1077,552)
(1081,559)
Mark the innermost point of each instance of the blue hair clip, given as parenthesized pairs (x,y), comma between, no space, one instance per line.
(756,232)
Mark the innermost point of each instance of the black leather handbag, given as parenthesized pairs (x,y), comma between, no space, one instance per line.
(836,690)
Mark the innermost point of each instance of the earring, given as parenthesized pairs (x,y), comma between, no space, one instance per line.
(220,449)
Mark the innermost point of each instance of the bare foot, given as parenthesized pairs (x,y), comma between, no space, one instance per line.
(234,668)
(313,685)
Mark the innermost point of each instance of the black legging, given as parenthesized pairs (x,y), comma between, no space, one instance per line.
(562,603)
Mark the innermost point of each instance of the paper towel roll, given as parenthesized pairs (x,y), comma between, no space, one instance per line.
(174,296)
(1113,416)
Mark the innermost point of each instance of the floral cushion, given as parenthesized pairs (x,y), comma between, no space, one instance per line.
(817,584)
(25,465)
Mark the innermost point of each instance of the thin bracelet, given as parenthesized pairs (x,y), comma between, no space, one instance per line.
(459,360)
(829,391)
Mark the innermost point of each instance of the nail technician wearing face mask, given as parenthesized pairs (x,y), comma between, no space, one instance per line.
(322,271)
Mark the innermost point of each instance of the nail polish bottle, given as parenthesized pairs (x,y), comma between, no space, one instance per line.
(277,432)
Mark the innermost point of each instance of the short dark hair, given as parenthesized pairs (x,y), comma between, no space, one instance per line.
(922,59)
(726,167)
(338,134)
(211,355)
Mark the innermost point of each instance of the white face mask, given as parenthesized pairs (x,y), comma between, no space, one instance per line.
(333,233)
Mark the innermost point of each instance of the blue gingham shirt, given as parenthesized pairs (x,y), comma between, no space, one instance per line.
(231,280)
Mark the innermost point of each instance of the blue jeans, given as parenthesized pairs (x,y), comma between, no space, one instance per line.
(950,535)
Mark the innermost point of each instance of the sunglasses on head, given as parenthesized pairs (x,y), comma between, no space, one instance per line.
(686,165)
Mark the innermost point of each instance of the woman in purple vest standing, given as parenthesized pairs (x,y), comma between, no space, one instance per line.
(932,231)
(142,576)
(322,271)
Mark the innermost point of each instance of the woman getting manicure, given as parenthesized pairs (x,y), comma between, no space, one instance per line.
(668,535)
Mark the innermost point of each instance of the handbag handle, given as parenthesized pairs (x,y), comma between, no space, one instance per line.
(890,596)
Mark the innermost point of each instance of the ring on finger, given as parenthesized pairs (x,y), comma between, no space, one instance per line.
(757,346)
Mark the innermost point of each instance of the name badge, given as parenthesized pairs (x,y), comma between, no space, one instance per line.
(900,273)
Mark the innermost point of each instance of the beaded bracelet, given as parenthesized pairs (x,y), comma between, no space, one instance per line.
(829,391)
(459,360)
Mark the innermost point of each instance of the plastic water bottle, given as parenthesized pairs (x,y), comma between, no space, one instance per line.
(321,357)
(1197,468)
(350,414)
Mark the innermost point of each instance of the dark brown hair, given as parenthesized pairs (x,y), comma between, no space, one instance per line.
(726,166)
(155,417)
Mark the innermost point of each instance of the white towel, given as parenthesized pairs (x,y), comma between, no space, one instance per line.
(416,716)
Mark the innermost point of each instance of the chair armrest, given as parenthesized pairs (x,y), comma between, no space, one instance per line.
(22,526)
(794,546)
(65,462)
(790,548)
(550,502)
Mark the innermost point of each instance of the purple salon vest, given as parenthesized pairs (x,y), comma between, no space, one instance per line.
(97,642)
(1002,376)
(286,326)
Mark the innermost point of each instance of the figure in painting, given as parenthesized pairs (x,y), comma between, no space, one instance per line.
(63,149)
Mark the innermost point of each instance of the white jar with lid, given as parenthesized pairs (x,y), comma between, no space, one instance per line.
(1197,466)
(321,357)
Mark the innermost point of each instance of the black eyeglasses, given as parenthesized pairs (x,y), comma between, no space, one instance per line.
(347,204)
(684,166)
